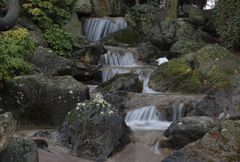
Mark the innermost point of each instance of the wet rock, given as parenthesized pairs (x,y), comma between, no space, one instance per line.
(41,100)
(95,130)
(188,129)
(20,150)
(122,82)
(220,144)
(208,70)
(7,129)
(171,106)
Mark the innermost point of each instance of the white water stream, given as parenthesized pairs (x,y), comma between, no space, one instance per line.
(146,118)
(97,28)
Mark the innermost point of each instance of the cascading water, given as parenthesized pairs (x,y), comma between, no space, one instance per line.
(177,111)
(146,118)
(122,61)
(116,61)
(97,28)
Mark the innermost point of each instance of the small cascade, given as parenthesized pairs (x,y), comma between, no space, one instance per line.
(119,62)
(145,78)
(146,118)
(122,61)
(97,28)
(119,59)
(177,111)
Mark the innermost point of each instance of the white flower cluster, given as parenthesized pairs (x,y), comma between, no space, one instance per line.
(99,101)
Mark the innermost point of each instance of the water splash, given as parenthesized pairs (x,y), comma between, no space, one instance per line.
(145,78)
(146,118)
(156,148)
(162,60)
(97,28)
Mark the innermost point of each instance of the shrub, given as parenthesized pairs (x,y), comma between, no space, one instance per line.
(15,47)
(59,40)
(51,15)
(47,12)
(227,18)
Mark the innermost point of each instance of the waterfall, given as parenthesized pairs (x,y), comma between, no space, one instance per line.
(146,118)
(97,28)
(145,77)
(117,61)
(177,111)
(108,74)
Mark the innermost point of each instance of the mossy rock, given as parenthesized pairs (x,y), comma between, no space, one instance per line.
(208,70)
(222,143)
(176,76)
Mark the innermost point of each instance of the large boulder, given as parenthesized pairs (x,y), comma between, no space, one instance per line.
(7,129)
(208,70)
(95,130)
(122,82)
(49,63)
(220,144)
(42,100)
(223,104)
(188,129)
(20,150)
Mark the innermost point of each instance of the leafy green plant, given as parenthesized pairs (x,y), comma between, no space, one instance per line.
(51,16)
(47,12)
(59,40)
(15,46)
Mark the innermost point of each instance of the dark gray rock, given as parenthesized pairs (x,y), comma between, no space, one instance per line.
(122,82)
(221,144)
(95,130)
(188,129)
(49,63)
(20,150)
(7,129)
(42,100)
(208,70)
